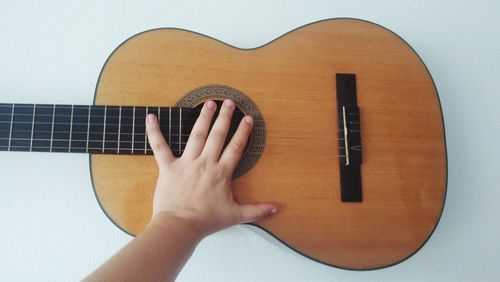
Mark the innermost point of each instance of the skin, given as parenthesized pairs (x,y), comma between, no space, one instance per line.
(193,199)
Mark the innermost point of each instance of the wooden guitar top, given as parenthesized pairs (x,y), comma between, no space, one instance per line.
(292,82)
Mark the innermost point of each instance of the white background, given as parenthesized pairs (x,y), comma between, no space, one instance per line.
(52,229)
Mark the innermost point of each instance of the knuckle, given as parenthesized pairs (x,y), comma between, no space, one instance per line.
(257,214)
(237,147)
(218,134)
(198,135)
(226,113)
(158,145)
(206,116)
(222,173)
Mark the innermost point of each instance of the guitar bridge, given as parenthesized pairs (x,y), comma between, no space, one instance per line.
(349,139)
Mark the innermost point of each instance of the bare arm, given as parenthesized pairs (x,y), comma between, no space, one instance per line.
(193,198)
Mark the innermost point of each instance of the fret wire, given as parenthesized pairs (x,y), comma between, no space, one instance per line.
(169,124)
(88,131)
(159,121)
(11,123)
(133,127)
(180,130)
(32,126)
(71,128)
(53,123)
(146,134)
(119,127)
(104,129)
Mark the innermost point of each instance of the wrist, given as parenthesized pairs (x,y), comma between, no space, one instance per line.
(171,222)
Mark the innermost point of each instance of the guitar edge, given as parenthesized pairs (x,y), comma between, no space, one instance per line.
(292,81)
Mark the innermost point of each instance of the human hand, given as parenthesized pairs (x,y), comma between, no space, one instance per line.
(196,187)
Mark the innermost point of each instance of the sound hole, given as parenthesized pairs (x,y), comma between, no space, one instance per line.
(244,106)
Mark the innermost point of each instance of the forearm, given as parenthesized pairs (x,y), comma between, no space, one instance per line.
(157,254)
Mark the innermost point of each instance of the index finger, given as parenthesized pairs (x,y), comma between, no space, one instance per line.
(161,150)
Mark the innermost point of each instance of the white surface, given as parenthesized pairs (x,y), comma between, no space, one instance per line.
(52,228)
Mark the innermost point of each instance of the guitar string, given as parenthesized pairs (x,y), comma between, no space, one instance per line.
(100,116)
(233,124)
(98,107)
(94,135)
(33,115)
(113,150)
(109,141)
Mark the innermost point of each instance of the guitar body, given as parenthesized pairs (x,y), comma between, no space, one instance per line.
(292,82)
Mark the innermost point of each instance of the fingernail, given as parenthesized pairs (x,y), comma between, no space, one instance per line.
(210,104)
(150,117)
(274,211)
(229,103)
(249,119)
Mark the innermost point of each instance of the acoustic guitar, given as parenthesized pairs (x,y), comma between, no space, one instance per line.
(348,137)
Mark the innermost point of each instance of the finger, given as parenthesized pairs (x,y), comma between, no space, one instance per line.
(217,135)
(161,151)
(234,150)
(256,212)
(199,133)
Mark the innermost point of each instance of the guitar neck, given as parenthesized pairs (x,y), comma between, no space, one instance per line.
(90,129)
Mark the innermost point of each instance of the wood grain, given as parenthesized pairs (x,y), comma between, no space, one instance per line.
(292,80)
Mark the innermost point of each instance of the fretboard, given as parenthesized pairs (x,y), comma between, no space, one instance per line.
(90,129)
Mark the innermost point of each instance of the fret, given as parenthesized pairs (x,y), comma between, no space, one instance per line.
(139,130)
(52,131)
(71,128)
(146,135)
(104,129)
(180,131)
(42,128)
(169,125)
(6,119)
(174,131)
(119,128)
(133,130)
(188,119)
(32,127)
(78,129)
(165,123)
(150,110)
(88,130)
(20,139)
(96,129)
(61,128)
(126,128)
(111,131)
(159,115)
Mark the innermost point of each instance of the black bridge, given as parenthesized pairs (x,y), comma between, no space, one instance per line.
(349,139)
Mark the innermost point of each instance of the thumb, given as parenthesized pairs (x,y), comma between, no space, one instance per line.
(256,212)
